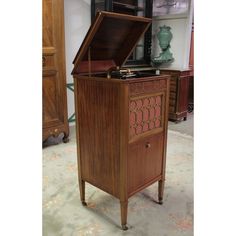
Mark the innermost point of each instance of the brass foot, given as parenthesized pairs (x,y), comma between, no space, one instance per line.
(160,201)
(124,227)
(84,203)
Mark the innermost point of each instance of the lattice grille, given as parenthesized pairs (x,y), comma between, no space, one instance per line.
(144,114)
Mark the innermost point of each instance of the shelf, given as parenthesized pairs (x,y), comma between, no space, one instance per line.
(128,6)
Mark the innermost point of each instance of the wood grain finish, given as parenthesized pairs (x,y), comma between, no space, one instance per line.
(183,93)
(111,37)
(50,108)
(54,77)
(179,92)
(99,115)
(144,162)
(108,157)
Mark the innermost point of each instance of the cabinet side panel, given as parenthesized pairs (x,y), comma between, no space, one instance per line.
(183,94)
(98,117)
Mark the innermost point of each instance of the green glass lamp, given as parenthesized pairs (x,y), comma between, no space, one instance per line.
(164,36)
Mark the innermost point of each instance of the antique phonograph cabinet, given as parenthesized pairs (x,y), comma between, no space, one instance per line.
(121,113)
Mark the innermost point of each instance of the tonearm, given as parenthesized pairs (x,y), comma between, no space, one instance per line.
(128,72)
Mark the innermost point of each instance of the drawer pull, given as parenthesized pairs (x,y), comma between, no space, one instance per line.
(148,145)
(44,61)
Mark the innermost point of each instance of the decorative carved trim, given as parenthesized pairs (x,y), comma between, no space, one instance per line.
(55,132)
(146,87)
(144,114)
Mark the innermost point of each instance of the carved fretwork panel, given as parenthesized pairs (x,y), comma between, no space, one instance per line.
(146,87)
(145,114)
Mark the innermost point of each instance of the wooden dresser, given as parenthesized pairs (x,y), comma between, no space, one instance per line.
(54,72)
(121,124)
(179,93)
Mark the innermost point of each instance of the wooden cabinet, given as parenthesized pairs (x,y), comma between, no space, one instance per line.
(179,93)
(121,124)
(54,74)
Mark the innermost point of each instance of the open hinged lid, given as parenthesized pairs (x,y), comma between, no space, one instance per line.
(109,42)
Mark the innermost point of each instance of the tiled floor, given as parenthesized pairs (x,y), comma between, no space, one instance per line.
(184,127)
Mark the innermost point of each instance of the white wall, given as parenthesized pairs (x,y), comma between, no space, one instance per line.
(77,23)
(180,43)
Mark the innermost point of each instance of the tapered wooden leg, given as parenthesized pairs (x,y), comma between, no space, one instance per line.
(82,191)
(161,185)
(123,210)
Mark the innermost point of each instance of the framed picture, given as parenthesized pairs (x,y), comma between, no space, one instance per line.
(170,7)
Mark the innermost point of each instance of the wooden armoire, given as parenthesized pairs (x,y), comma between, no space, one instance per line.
(121,116)
(54,71)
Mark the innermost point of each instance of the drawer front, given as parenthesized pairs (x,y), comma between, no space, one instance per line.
(173,80)
(173,88)
(172,95)
(144,162)
(146,115)
(139,88)
(172,109)
(172,102)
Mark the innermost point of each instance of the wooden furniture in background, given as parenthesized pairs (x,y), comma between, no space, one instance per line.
(121,125)
(179,92)
(191,79)
(54,73)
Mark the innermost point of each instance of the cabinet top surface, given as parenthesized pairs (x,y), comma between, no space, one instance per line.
(133,80)
(110,40)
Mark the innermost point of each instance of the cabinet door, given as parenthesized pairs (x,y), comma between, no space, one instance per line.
(54,79)
(145,159)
